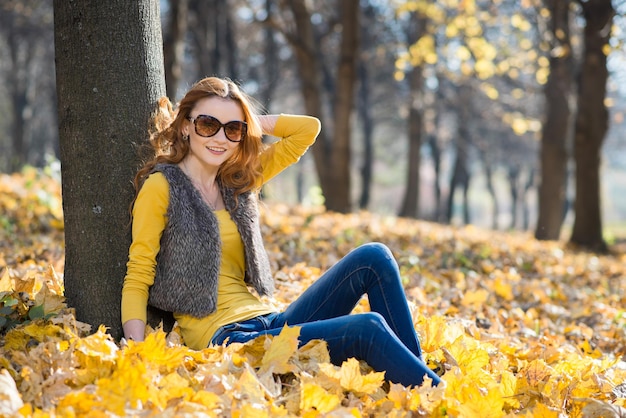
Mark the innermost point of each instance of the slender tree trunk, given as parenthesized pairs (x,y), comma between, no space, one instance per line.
(365,108)
(514,175)
(556,128)
(230,43)
(340,190)
(109,59)
(205,31)
(332,159)
(367,122)
(530,181)
(591,125)
(310,70)
(495,207)
(174,46)
(435,153)
(22,55)
(460,178)
(460,175)
(410,203)
(272,75)
(18,140)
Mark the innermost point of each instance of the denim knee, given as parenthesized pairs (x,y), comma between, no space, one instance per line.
(375,253)
(372,322)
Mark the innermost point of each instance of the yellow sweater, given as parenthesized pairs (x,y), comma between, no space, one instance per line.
(234,300)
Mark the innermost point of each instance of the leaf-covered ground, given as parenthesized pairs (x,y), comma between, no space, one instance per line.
(516,327)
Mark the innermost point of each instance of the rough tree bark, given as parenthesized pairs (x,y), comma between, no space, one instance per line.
(109,62)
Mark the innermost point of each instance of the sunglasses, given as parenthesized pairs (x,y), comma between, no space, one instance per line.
(207,126)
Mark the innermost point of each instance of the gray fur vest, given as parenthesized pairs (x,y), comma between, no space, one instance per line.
(188,262)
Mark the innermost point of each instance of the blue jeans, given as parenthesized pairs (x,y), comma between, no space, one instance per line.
(384,338)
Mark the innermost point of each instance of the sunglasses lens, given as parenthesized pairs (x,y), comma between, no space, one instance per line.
(234,130)
(207,125)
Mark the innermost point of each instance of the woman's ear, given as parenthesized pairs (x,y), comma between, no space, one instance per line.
(185,128)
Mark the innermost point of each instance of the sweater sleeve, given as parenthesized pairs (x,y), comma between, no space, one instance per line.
(149,219)
(297,133)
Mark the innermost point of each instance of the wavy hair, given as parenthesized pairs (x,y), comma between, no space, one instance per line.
(242,172)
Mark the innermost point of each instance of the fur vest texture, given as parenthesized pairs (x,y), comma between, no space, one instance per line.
(188,262)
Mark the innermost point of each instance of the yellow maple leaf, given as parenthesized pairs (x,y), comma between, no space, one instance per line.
(543,411)
(52,302)
(130,385)
(470,354)
(436,332)
(315,397)
(281,350)
(172,387)
(19,337)
(313,353)
(473,395)
(155,351)
(6,284)
(508,389)
(503,289)
(99,344)
(29,283)
(475,298)
(398,394)
(78,403)
(208,399)
(249,388)
(350,378)
(536,373)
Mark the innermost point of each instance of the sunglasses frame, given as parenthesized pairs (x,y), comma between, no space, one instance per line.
(223,126)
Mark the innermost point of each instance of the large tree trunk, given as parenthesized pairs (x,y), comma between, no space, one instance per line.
(556,128)
(110,75)
(591,125)
(410,202)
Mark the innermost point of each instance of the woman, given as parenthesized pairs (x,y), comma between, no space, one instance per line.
(197,244)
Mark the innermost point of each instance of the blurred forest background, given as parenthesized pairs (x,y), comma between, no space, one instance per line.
(449,101)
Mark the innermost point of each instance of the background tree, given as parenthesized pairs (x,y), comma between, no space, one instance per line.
(556,132)
(332,150)
(27,29)
(417,31)
(214,40)
(591,123)
(174,45)
(500,50)
(109,78)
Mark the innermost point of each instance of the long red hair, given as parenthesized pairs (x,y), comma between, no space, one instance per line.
(242,172)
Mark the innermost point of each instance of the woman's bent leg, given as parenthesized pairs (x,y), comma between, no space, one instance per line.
(364,336)
(369,269)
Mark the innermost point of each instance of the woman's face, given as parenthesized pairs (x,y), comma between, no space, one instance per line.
(215,149)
